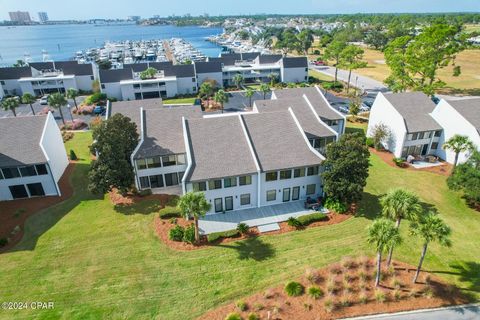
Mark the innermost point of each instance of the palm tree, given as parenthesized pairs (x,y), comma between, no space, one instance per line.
(28,98)
(11,104)
(430,228)
(206,90)
(382,234)
(457,144)
(249,94)
(73,94)
(57,101)
(194,204)
(273,78)
(221,97)
(238,80)
(264,88)
(400,204)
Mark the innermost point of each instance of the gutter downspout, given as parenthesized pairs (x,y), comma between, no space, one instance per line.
(189,155)
(137,184)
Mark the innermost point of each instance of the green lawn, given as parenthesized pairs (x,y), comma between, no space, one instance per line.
(94,262)
(179,101)
(320,76)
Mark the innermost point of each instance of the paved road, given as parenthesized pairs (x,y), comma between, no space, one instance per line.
(471,312)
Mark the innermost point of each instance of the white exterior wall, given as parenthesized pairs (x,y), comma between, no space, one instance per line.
(112,90)
(383,112)
(217,76)
(53,147)
(127,92)
(84,83)
(158,171)
(294,74)
(2,94)
(186,85)
(47,182)
(26,87)
(12,87)
(453,123)
(70,83)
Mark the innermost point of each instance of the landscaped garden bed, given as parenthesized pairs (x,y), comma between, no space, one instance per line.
(344,289)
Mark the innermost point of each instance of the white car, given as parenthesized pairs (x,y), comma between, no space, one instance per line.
(364,108)
(344,109)
(44,100)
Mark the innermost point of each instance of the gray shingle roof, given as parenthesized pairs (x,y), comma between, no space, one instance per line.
(10,73)
(269,58)
(181,71)
(229,59)
(20,140)
(306,117)
(219,149)
(250,55)
(415,108)
(278,142)
(315,98)
(295,62)
(164,130)
(41,65)
(208,67)
(469,109)
(73,67)
(131,109)
(117,75)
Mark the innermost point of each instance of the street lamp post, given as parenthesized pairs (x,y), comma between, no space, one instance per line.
(70,111)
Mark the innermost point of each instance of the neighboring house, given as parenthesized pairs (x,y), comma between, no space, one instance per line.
(209,70)
(413,130)
(460,117)
(32,157)
(9,79)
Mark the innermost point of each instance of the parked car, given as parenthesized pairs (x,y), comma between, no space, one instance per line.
(319,63)
(344,109)
(99,110)
(435,99)
(364,107)
(44,100)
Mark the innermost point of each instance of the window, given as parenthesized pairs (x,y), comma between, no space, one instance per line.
(271,195)
(136,86)
(171,179)
(18,191)
(28,171)
(180,176)
(35,189)
(245,199)
(229,182)
(421,135)
(103,86)
(228,203)
(144,183)
(438,133)
(415,136)
(200,186)
(181,159)
(156,181)
(2,83)
(286,194)
(154,162)
(169,160)
(295,193)
(10,173)
(141,164)
(193,79)
(244,180)
(428,135)
(311,189)
(285,174)
(218,205)
(271,176)
(311,171)
(214,184)
(194,89)
(300,172)
(92,78)
(434,146)
(41,169)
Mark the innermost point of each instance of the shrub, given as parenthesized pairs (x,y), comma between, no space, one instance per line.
(335,269)
(380,296)
(331,286)
(212,237)
(258,306)
(311,218)
(233,316)
(189,234)
(145,192)
(335,205)
(253,316)
(294,289)
(169,212)
(294,222)
(268,294)
(315,292)
(397,295)
(363,298)
(347,262)
(347,286)
(396,283)
(67,135)
(312,275)
(95,98)
(3,242)
(241,305)
(95,122)
(370,142)
(172,220)
(176,233)
(362,275)
(362,284)
(428,293)
(399,162)
(332,85)
(73,156)
(329,305)
(242,228)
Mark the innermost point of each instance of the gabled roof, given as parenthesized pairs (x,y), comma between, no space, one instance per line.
(278,142)
(250,55)
(208,67)
(269,58)
(219,148)
(41,65)
(68,67)
(229,59)
(181,71)
(131,109)
(469,109)
(315,97)
(308,119)
(116,75)
(295,62)
(163,130)
(11,73)
(20,140)
(415,108)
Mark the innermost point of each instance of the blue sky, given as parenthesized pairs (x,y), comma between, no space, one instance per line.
(83,9)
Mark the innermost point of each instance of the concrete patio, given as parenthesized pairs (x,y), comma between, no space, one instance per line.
(219,222)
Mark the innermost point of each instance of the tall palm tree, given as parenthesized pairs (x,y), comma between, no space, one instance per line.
(11,104)
(382,234)
(221,97)
(57,101)
(28,98)
(264,88)
(238,80)
(430,228)
(400,204)
(249,94)
(273,78)
(458,144)
(73,94)
(194,205)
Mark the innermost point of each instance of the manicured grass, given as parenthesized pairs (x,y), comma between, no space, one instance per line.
(320,76)
(179,101)
(94,262)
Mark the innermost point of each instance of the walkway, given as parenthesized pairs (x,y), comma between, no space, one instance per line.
(219,222)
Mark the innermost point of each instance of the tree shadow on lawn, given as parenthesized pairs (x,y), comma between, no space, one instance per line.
(145,207)
(252,248)
(468,273)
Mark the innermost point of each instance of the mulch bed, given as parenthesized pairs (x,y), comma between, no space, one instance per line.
(445,169)
(130,199)
(163,226)
(273,303)
(13,214)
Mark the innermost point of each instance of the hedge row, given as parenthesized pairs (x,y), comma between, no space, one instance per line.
(311,218)
(169,212)
(212,237)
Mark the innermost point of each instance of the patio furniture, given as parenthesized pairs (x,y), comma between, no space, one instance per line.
(310,203)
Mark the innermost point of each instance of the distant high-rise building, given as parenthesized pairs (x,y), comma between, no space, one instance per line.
(20,16)
(43,17)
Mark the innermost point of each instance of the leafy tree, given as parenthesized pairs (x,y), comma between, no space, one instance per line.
(458,144)
(351,59)
(10,104)
(194,205)
(466,177)
(265,89)
(376,39)
(57,101)
(221,97)
(355,103)
(333,52)
(305,38)
(430,228)
(29,99)
(243,35)
(206,89)
(104,64)
(346,168)
(148,73)
(73,94)
(273,78)
(249,94)
(382,235)
(20,63)
(400,204)
(380,133)
(114,141)
(238,80)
